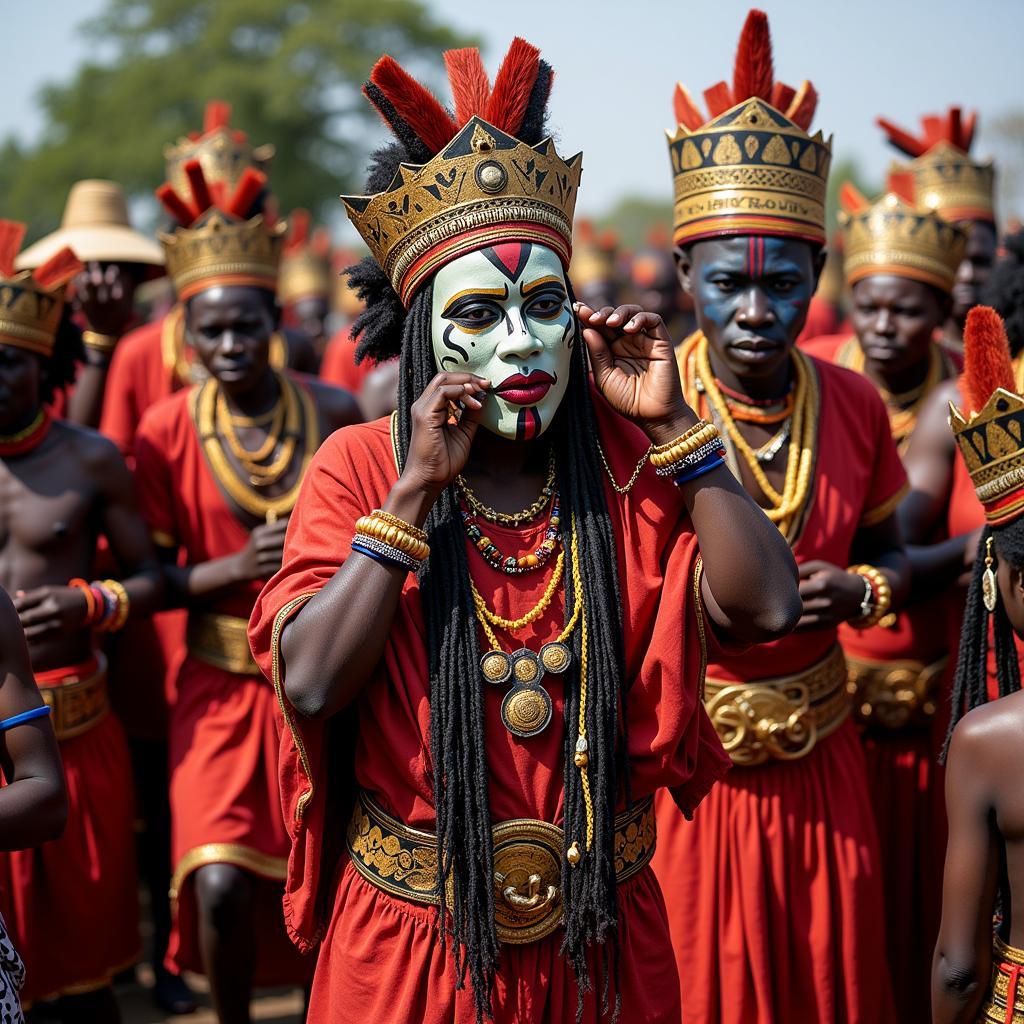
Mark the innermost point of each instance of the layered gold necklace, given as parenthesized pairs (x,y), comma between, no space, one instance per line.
(787,507)
(293,419)
(903,408)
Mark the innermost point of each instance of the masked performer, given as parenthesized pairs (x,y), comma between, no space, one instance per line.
(984,861)
(900,266)
(782,856)
(62,485)
(522,695)
(959,189)
(218,467)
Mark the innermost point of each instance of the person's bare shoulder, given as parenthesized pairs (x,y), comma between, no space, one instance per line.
(988,738)
(338,407)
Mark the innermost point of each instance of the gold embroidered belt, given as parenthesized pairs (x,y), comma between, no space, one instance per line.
(780,718)
(1006,986)
(78,697)
(221,641)
(894,694)
(528,859)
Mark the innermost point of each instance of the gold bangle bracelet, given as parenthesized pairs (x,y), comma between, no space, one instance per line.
(397,537)
(120,617)
(105,343)
(685,436)
(882,592)
(681,449)
(387,517)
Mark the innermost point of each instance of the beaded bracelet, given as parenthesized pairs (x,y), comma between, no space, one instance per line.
(395,532)
(118,606)
(877,596)
(686,444)
(713,462)
(93,607)
(386,554)
(693,459)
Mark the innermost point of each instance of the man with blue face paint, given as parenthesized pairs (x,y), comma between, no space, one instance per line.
(773,888)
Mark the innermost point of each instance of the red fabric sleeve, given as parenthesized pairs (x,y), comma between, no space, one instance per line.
(888,478)
(153,482)
(339,363)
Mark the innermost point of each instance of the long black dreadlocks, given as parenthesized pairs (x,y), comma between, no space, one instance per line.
(590,911)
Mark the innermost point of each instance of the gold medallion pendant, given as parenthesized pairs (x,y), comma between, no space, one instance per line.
(526,709)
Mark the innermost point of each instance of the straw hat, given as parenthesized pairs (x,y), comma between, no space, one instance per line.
(96,226)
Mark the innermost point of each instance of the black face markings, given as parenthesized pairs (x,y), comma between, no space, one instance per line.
(509,258)
(527,424)
(446,337)
(569,334)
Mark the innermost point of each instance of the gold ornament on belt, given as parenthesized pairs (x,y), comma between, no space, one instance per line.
(894,694)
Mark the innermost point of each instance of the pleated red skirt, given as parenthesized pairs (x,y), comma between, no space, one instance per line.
(381,959)
(774,894)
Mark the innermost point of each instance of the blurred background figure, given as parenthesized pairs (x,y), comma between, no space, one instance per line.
(306,282)
(654,285)
(594,271)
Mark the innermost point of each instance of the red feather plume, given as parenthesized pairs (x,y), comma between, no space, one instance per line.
(686,111)
(246,191)
(805,103)
(218,115)
(782,96)
(953,127)
(471,88)
(753,74)
(513,84)
(11,234)
(851,199)
(414,104)
(58,269)
(177,207)
(201,198)
(718,98)
(987,363)
(967,127)
(901,183)
(298,230)
(934,129)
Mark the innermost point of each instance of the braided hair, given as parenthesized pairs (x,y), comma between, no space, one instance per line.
(466,869)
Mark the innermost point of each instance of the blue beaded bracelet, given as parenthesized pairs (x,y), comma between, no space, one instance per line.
(25,716)
(378,557)
(705,467)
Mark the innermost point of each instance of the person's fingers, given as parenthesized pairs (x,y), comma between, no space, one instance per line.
(647,323)
(809,568)
(28,598)
(621,314)
(601,359)
(40,613)
(34,632)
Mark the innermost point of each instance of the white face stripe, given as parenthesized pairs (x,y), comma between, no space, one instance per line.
(504,314)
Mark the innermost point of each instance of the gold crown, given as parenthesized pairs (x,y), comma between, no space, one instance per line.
(221,250)
(891,236)
(949,182)
(484,186)
(31,301)
(223,152)
(304,274)
(749,171)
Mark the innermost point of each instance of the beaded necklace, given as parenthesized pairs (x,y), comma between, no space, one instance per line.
(527,515)
(28,439)
(509,564)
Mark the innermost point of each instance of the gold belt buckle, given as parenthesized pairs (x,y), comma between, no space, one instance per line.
(527,880)
(755,723)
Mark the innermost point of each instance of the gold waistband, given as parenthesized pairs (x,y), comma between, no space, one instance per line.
(528,858)
(1007,976)
(221,641)
(894,694)
(79,703)
(781,718)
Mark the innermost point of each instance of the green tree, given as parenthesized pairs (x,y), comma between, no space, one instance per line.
(291,71)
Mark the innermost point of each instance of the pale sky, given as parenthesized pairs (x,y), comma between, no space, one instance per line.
(617,62)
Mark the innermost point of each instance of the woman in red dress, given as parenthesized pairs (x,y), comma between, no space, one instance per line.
(522,696)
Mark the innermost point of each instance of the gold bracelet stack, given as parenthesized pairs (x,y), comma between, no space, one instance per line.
(882,596)
(699,442)
(103,343)
(391,540)
(117,620)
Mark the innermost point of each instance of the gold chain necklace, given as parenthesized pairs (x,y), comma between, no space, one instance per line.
(252,461)
(478,508)
(203,406)
(787,508)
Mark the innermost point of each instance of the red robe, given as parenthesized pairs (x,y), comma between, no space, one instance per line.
(380,958)
(339,366)
(907,787)
(223,735)
(774,889)
(71,904)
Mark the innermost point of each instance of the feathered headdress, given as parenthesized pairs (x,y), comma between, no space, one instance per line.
(990,431)
(470,178)
(752,168)
(31,301)
(947,180)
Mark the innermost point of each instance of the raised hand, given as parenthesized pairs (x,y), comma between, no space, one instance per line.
(261,557)
(105,297)
(634,367)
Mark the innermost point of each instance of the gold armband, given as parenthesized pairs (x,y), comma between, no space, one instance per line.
(875,607)
(105,343)
(700,434)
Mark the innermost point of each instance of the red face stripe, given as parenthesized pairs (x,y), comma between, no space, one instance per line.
(512,257)
(759,255)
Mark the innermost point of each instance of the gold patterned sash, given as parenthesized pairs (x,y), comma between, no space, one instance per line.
(894,694)
(1006,986)
(528,857)
(781,718)
(79,701)
(221,641)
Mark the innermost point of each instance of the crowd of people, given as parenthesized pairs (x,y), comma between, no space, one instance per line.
(504,624)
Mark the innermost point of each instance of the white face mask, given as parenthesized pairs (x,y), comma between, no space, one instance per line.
(503,313)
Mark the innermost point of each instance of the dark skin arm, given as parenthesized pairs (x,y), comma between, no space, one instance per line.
(105,298)
(331,655)
(49,611)
(33,804)
(960,970)
(929,461)
(831,595)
